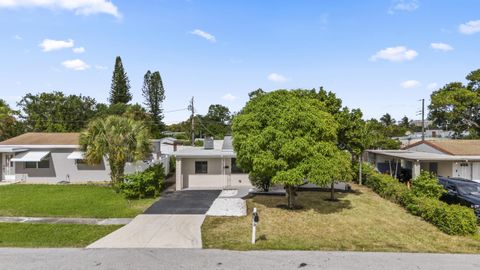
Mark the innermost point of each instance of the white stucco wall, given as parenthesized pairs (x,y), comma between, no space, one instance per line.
(62,169)
(218,175)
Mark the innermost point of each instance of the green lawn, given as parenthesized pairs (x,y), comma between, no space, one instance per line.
(89,201)
(360,221)
(51,235)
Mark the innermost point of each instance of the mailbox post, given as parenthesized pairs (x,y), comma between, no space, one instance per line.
(255,220)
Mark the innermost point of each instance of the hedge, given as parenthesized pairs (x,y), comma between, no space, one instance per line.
(148,183)
(451,219)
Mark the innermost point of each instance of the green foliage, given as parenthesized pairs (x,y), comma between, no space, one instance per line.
(457,107)
(256,93)
(154,95)
(288,136)
(120,88)
(426,185)
(216,122)
(423,201)
(172,164)
(148,183)
(451,219)
(262,183)
(119,139)
(198,143)
(56,112)
(181,137)
(9,126)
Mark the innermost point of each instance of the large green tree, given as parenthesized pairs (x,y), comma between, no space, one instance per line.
(456,106)
(217,121)
(56,112)
(120,88)
(117,138)
(9,125)
(289,137)
(154,95)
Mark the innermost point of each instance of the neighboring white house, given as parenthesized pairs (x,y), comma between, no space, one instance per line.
(211,166)
(55,157)
(448,158)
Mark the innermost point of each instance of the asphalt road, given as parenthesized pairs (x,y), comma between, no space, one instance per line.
(186,202)
(218,259)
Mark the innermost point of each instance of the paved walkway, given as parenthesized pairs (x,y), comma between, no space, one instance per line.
(156,231)
(56,220)
(16,258)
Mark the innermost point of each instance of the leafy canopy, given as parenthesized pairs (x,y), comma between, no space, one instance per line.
(288,136)
(119,139)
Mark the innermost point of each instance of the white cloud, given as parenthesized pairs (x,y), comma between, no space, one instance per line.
(204,35)
(78,50)
(432,86)
(101,67)
(17,37)
(275,77)
(51,45)
(441,47)
(410,84)
(395,54)
(229,97)
(470,27)
(403,5)
(75,64)
(80,7)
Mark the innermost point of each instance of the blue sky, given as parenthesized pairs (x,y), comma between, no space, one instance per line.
(379,56)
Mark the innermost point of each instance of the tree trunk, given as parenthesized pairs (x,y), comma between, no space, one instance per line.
(116,173)
(360,163)
(332,192)
(290,196)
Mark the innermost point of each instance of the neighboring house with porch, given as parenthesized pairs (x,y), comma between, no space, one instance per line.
(447,158)
(211,166)
(56,157)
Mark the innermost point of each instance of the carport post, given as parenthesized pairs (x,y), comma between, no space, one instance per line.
(415,169)
(178,174)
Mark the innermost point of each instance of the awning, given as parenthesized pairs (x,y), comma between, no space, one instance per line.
(12,150)
(30,156)
(76,155)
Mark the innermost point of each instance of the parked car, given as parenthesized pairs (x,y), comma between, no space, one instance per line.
(462,191)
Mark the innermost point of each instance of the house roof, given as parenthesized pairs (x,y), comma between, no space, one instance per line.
(424,156)
(38,138)
(222,148)
(453,147)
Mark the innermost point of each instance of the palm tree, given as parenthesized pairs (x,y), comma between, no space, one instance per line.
(119,139)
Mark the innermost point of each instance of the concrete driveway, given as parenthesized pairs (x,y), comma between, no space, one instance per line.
(174,221)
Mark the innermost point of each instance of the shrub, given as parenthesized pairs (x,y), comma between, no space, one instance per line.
(172,164)
(451,219)
(426,185)
(198,143)
(144,184)
(423,201)
(263,183)
(181,136)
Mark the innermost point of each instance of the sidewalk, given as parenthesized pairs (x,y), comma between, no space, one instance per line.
(61,220)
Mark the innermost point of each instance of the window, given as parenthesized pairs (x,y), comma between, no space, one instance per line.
(235,168)
(30,165)
(201,167)
(44,164)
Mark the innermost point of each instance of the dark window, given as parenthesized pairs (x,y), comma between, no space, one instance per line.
(235,168)
(201,167)
(44,164)
(30,165)
(433,167)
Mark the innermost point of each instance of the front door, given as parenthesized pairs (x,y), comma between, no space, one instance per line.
(462,170)
(8,167)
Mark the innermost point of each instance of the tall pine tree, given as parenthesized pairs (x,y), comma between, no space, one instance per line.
(154,95)
(120,89)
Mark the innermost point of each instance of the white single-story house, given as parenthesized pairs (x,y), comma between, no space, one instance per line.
(211,166)
(447,158)
(56,157)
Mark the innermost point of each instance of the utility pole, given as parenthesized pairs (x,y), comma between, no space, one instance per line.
(192,109)
(423,119)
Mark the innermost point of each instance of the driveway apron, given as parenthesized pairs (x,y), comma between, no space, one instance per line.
(174,221)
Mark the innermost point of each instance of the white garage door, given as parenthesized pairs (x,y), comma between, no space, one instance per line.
(476,171)
(206,181)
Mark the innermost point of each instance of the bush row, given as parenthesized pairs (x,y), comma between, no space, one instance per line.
(423,200)
(148,183)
